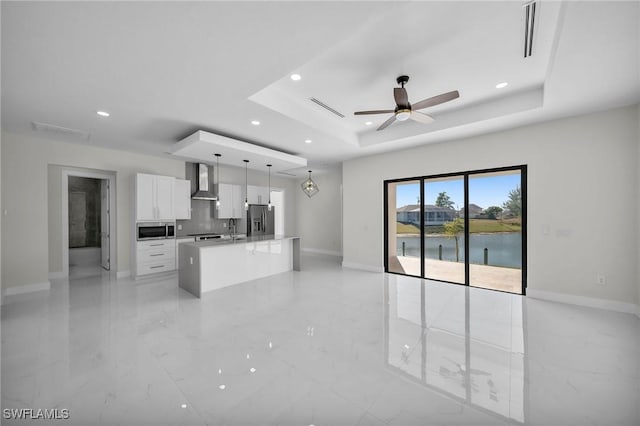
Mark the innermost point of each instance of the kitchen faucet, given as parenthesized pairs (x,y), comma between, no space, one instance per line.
(232,228)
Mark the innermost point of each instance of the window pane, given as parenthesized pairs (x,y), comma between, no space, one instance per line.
(495,231)
(403,237)
(444,229)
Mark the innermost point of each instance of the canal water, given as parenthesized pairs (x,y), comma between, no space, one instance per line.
(504,248)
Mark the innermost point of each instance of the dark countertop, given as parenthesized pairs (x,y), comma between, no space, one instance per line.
(241,240)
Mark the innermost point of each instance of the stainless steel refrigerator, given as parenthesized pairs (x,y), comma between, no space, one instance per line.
(260,221)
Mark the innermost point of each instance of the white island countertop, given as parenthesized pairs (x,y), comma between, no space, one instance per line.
(213,264)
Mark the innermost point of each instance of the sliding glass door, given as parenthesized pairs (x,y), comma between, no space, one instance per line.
(465,228)
(444,229)
(495,237)
(403,227)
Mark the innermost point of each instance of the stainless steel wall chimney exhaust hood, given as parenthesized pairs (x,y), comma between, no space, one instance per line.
(203,192)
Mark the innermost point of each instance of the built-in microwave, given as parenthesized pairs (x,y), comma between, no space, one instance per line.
(155,230)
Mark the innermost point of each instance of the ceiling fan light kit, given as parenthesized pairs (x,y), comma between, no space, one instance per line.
(404,110)
(403,114)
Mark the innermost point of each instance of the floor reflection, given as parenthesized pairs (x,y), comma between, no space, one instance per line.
(466,343)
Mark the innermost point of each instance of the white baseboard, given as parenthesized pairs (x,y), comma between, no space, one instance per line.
(123,274)
(609,305)
(29,288)
(362,267)
(322,251)
(57,275)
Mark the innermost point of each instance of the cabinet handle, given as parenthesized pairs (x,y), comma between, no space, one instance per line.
(156,245)
(158,254)
(156,267)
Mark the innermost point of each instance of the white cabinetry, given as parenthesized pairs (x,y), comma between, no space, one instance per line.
(154,197)
(231,201)
(182,198)
(257,194)
(155,256)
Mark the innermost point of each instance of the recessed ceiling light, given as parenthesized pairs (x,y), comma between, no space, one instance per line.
(255,122)
(296,77)
(184,406)
(368,123)
(103,113)
(222,387)
(502,85)
(308,141)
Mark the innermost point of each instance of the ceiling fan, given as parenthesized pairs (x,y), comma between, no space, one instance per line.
(404,110)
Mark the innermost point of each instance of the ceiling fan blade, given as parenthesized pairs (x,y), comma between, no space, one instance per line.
(400,94)
(379,111)
(436,100)
(421,117)
(387,123)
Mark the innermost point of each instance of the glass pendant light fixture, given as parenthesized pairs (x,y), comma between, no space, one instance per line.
(218,180)
(246,186)
(309,187)
(269,205)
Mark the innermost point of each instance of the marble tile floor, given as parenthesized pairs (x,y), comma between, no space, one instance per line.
(323,346)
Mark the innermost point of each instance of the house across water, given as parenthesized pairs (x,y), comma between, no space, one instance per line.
(433,215)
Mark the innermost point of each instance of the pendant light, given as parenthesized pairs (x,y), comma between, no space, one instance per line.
(309,187)
(269,205)
(218,180)
(246,186)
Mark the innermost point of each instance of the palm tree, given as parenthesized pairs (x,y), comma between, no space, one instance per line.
(443,200)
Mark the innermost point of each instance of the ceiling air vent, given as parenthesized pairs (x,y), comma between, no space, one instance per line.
(286,174)
(327,107)
(60,132)
(529,23)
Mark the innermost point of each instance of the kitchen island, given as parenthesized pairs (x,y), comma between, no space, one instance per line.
(213,264)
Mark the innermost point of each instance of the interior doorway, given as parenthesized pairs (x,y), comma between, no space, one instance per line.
(88,198)
(88,225)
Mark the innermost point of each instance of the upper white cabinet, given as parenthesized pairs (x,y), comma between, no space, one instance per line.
(154,197)
(231,201)
(257,194)
(182,198)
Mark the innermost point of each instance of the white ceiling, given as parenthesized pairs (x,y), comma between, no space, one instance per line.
(204,146)
(164,70)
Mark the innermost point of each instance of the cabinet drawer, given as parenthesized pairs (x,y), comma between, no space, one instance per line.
(155,267)
(156,255)
(156,244)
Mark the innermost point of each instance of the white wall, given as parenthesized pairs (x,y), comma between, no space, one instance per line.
(26,237)
(582,183)
(320,217)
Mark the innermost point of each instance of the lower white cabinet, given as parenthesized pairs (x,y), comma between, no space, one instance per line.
(155,256)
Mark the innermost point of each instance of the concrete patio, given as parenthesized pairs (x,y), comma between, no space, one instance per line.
(483,276)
